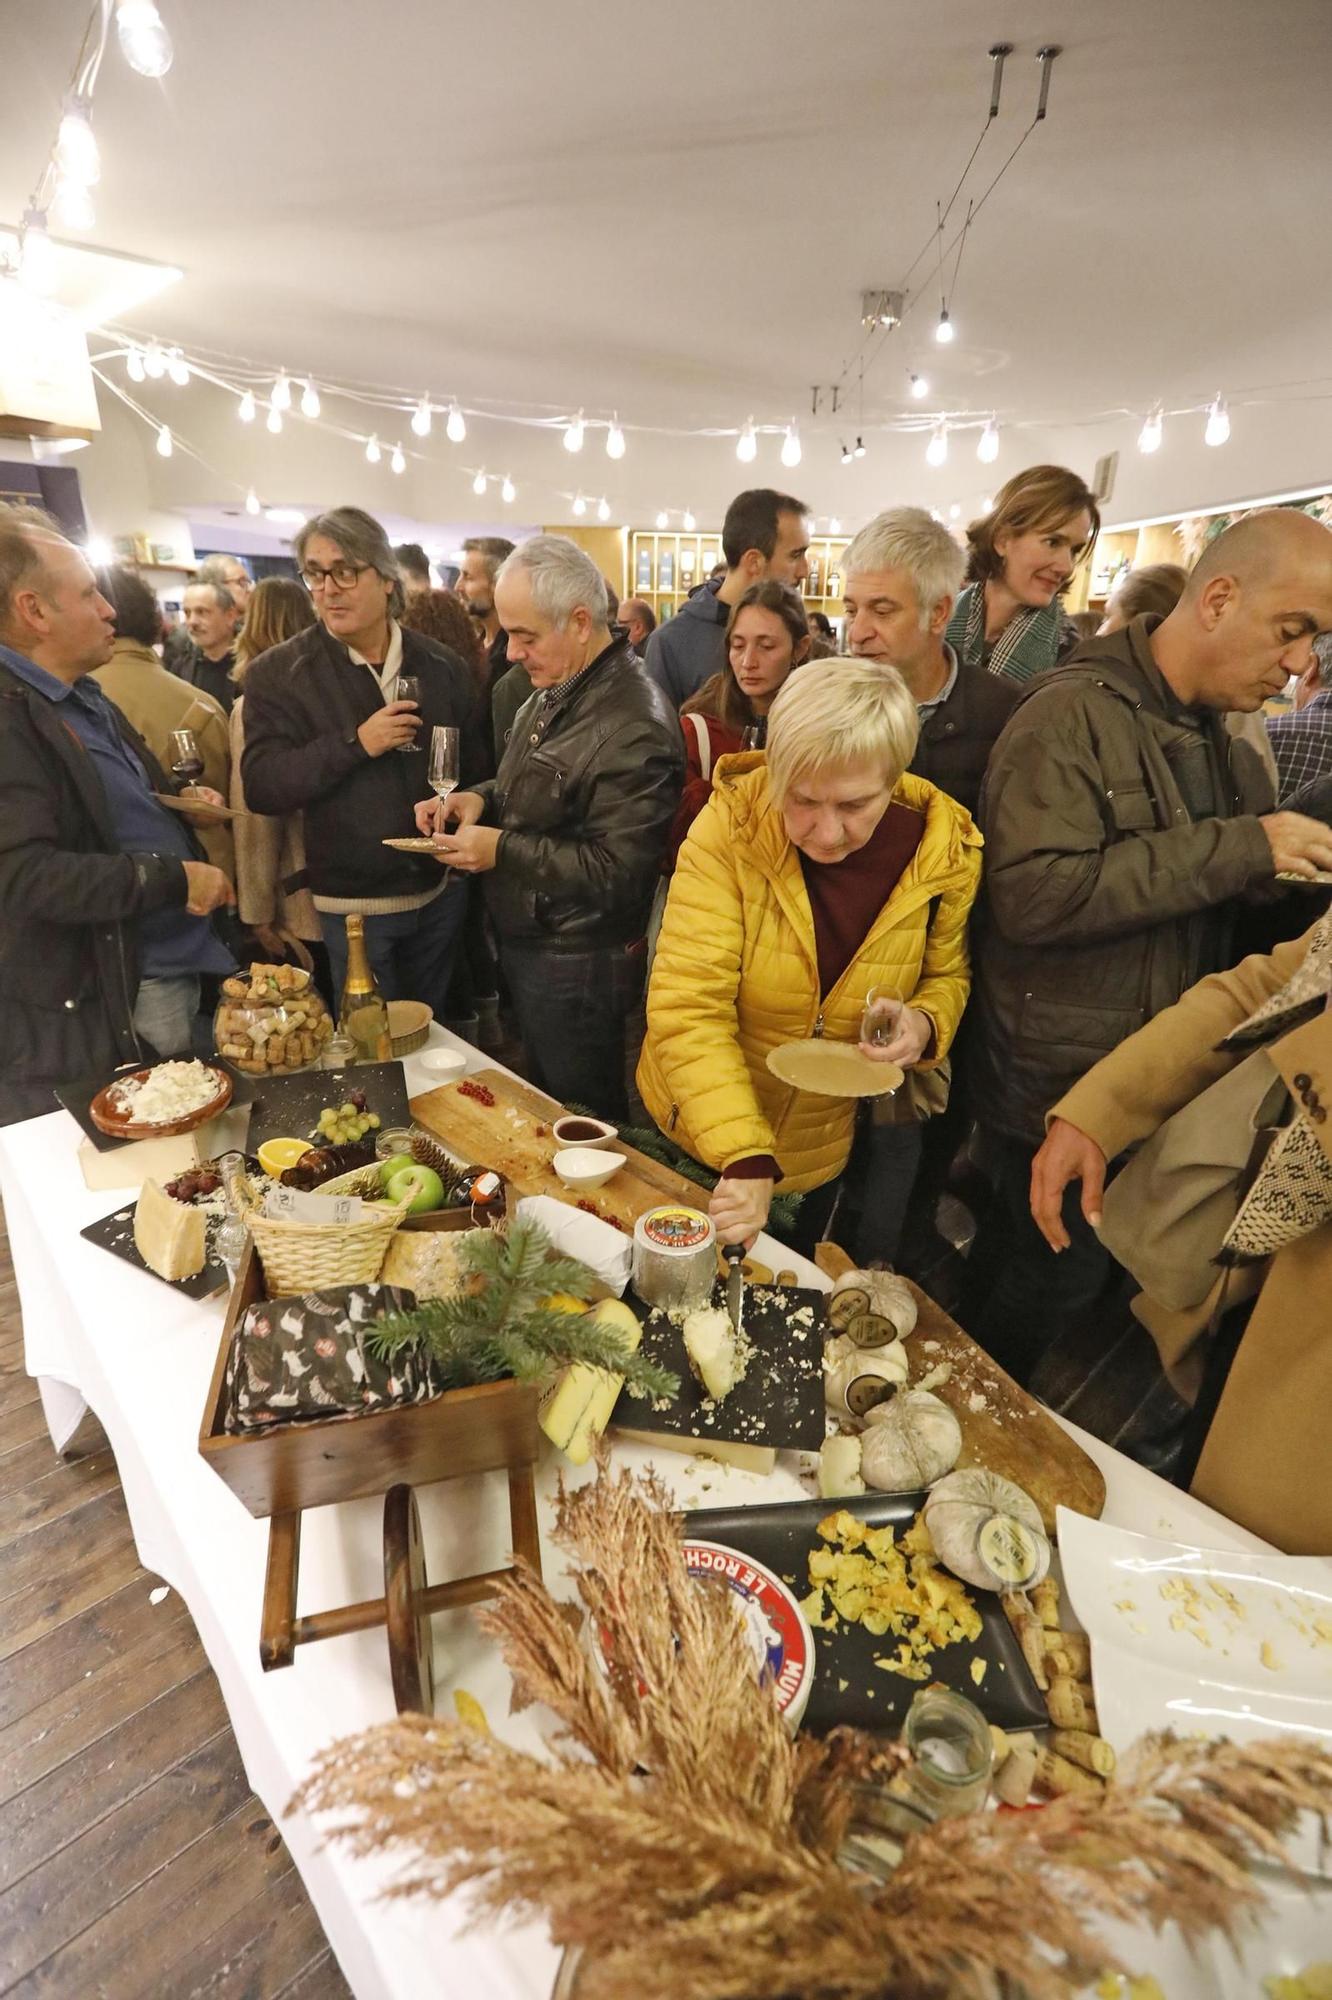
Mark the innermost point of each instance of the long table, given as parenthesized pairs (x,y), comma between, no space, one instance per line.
(141,1356)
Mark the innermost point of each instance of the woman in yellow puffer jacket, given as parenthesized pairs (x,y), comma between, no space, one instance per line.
(813,875)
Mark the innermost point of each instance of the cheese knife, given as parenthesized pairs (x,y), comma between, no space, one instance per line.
(734,1253)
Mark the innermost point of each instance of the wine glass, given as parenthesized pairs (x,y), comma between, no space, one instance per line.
(881,1016)
(443,761)
(407,687)
(754,737)
(187,764)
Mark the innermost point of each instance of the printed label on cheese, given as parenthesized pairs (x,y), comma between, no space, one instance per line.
(675,1228)
(775,1626)
(1012,1553)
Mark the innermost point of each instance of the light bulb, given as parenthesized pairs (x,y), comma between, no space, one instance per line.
(615,440)
(76,154)
(246,407)
(455,430)
(273,421)
(252,502)
(422,418)
(1149,437)
(144,41)
(154,361)
(281,396)
(936,451)
(746,445)
(943,332)
(573,435)
(860,447)
(397,463)
(479,485)
(1218,423)
(688,522)
(988,449)
(178,368)
(372,452)
(663,519)
(954,512)
(580,505)
(834,526)
(791,446)
(920,388)
(847,454)
(134,367)
(603,510)
(99,551)
(73,206)
(507,491)
(164,442)
(310,404)
(987,504)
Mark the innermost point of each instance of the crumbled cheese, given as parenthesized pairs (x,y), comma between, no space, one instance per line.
(170,1090)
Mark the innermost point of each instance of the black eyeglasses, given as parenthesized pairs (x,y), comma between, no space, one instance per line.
(343,574)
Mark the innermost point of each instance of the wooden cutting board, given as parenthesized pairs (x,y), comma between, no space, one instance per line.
(1003,1428)
(513,1136)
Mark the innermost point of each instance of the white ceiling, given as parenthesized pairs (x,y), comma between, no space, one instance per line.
(672,212)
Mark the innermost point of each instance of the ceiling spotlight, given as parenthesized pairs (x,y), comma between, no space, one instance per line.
(144,41)
(1149,437)
(847,454)
(688,523)
(455,430)
(72,206)
(580,505)
(746,447)
(397,463)
(245,409)
(134,367)
(372,452)
(920,388)
(834,526)
(164,442)
(76,154)
(791,446)
(479,485)
(860,448)
(1218,422)
(944,331)
(310,405)
(663,519)
(252,502)
(988,449)
(615,439)
(507,490)
(281,396)
(154,361)
(603,510)
(273,421)
(178,368)
(421,418)
(573,434)
(936,451)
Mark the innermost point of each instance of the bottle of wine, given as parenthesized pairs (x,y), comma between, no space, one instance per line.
(363,1015)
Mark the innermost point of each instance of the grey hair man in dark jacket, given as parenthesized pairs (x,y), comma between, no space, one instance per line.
(569,834)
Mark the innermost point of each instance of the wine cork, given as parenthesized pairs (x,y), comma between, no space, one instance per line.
(1045,1602)
(1092,1752)
(1030,1634)
(1058,1775)
(1011,1783)
(1002,1746)
(1071,1705)
(1068,1654)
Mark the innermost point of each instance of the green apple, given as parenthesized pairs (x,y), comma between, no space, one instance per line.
(395,1165)
(423,1184)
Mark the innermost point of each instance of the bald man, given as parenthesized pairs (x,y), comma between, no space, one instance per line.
(1123,822)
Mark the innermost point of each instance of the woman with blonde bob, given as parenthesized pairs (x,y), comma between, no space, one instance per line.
(814,875)
(1021,558)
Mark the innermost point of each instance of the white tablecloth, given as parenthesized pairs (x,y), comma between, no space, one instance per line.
(142,1358)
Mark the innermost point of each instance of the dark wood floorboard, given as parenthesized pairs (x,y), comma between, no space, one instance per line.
(134,1859)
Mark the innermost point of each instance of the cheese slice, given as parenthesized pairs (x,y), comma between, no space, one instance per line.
(577,1407)
(168,1235)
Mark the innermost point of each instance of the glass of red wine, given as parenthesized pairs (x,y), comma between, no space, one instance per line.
(407,687)
(187,764)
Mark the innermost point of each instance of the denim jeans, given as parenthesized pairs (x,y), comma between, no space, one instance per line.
(572,1007)
(411,952)
(164,1012)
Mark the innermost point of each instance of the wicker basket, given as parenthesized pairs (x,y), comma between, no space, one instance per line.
(409,1026)
(305,1256)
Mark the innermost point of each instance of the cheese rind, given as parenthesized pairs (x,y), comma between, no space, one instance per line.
(168,1235)
(577,1408)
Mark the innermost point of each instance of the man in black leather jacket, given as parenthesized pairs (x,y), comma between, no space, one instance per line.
(569,834)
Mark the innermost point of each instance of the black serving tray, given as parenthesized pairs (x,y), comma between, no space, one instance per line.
(288,1107)
(780,1401)
(77,1097)
(116,1234)
(848,1687)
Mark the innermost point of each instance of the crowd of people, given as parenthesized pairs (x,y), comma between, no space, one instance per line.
(1022,863)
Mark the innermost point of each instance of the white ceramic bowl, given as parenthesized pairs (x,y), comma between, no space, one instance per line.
(574,1130)
(586,1166)
(444,1063)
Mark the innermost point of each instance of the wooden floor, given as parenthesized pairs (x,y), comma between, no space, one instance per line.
(135,1862)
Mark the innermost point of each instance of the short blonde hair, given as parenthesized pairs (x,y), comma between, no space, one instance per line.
(836,712)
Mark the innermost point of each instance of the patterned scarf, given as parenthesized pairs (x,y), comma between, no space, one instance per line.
(1030,642)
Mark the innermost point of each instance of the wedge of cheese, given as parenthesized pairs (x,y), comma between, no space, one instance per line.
(168,1235)
(577,1407)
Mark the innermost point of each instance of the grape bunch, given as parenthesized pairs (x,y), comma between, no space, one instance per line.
(343,1124)
(196,1185)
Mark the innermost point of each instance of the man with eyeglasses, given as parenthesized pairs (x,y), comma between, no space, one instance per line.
(323,731)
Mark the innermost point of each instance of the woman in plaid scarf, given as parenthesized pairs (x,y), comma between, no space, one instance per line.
(1023,554)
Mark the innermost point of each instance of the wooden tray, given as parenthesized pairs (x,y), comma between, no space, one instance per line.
(116,1125)
(1007,1430)
(514,1137)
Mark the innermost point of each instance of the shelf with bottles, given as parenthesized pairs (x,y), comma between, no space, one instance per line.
(664,567)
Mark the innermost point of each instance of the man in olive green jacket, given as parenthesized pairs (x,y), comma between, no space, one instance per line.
(1121,823)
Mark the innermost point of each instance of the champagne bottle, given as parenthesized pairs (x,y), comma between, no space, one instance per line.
(363,1014)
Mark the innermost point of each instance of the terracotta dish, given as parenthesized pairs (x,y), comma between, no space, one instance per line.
(833,1069)
(107,1116)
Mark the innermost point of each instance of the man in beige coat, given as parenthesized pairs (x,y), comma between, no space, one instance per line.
(1264,1459)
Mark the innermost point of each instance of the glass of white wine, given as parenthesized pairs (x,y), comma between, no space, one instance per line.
(443,762)
(882,1015)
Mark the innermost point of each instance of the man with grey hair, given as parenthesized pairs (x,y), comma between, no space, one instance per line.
(234,578)
(569,835)
(903,573)
(324,729)
(210,619)
(1301,739)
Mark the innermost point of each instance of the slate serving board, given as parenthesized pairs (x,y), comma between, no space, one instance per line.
(780,1401)
(288,1107)
(78,1096)
(782,1538)
(116,1234)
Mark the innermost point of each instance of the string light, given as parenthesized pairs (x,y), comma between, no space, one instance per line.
(310,404)
(1218,422)
(397,463)
(603,510)
(252,502)
(508,491)
(746,445)
(76,155)
(573,435)
(860,448)
(834,526)
(944,332)
(281,396)
(372,452)
(920,388)
(178,368)
(580,505)
(688,522)
(455,430)
(154,361)
(936,451)
(144,41)
(988,449)
(1149,437)
(134,367)
(954,512)
(37,262)
(847,454)
(422,418)
(791,453)
(479,485)
(663,519)
(273,421)
(164,442)
(72,206)
(615,439)
(245,409)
